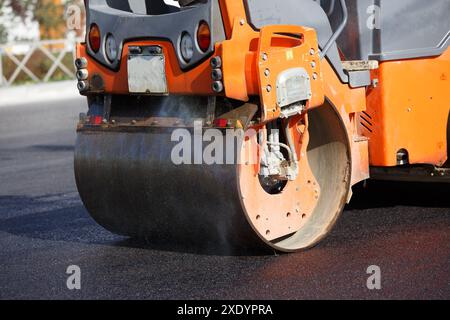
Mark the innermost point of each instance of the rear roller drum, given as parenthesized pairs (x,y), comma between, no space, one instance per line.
(130,186)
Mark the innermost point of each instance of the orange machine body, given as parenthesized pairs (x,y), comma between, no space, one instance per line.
(409,108)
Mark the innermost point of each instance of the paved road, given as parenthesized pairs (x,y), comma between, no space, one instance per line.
(44,229)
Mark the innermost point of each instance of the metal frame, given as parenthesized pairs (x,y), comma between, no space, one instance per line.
(306,13)
(338,31)
(128,26)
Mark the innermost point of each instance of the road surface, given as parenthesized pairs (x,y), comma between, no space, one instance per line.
(402,228)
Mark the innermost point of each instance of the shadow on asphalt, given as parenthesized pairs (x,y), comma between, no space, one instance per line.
(53,148)
(30,217)
(365,216)
(385,194)
(210,250)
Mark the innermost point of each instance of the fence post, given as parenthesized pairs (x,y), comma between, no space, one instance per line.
(1,67)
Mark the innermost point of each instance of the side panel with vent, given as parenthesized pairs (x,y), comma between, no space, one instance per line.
(409,109)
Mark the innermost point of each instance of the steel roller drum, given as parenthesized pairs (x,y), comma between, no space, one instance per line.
(130,185)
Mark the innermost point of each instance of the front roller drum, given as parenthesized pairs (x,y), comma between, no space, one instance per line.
(130,185)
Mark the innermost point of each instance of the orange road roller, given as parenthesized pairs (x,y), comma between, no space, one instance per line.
(245,123)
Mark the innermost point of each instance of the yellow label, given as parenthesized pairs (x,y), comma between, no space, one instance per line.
(290,54)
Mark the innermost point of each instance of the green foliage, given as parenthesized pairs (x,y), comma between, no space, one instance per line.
(20,7)
(48,13)
(50,16)
(3,34)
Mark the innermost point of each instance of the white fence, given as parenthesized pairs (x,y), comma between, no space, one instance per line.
(20,53)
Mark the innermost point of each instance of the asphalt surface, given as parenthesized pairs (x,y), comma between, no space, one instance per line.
(402,228)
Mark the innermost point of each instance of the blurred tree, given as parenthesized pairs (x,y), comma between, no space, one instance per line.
(3,34)
(19,7)
(48,13)
(50,16)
